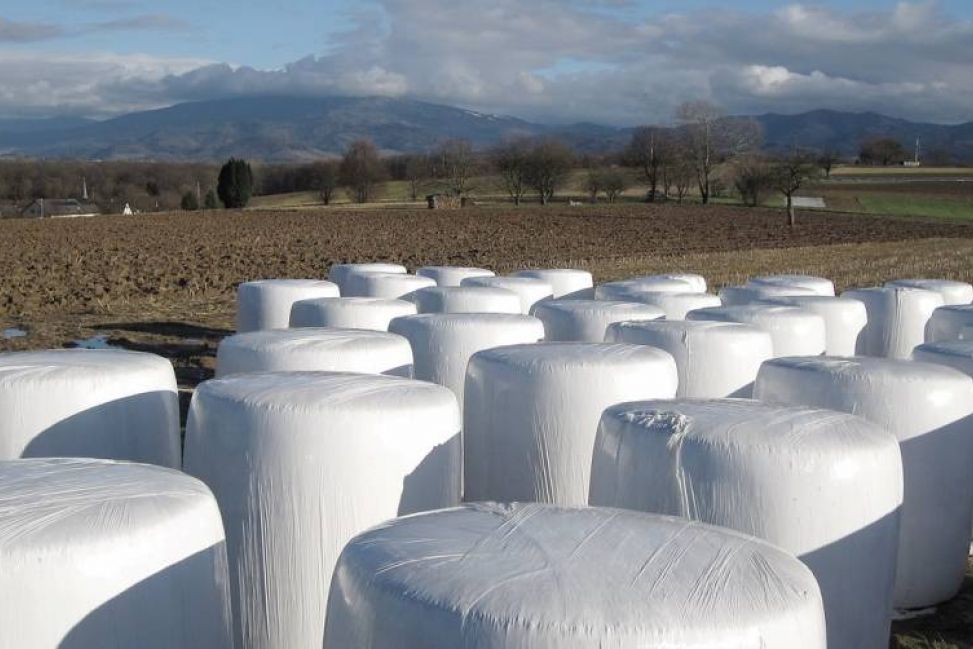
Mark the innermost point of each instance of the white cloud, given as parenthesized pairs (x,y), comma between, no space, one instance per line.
(580,60)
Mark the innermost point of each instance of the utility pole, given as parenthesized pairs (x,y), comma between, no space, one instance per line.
(917,151)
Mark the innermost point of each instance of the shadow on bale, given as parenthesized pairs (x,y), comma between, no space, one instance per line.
(165,610)
(432,478)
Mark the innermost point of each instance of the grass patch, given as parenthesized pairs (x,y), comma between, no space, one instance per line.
(917,205)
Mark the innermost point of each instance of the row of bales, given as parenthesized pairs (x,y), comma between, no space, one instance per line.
(457,459)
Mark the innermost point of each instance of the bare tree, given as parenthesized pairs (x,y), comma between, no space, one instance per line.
(709,137)
(594,184)
(456,164)
(827,161)
(614,183)
(361,170)
(789,174)
(881,150)
(753,178)
(510,158)
(416,171)
(548,165)
(650,150)
(324,179)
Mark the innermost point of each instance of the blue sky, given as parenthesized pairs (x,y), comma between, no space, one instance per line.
(544,59)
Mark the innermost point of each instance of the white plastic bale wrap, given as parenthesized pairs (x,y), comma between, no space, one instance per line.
(266,303)
(619,291)
(442,344)
(531,413)
(300,463)
(820,285)
(795,332)
(530,290)
(384,285)
(98,554)
(897,319)
(588,320)
(569,283)
(966,333)
(697,281)
(373,313)
(338,273)
(452,275)
(529,576)
(957,354)
(466,299)
(751,293)
(954,293)
(714,359)
(674,305)
(822,485)
(315,349)
(947,322)
(111,404)
(844,319)
(928,409)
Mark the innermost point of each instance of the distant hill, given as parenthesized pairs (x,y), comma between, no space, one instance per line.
(276,129)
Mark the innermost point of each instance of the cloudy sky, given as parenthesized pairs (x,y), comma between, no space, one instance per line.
(611,61)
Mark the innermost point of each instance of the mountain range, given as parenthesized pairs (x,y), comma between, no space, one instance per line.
(279,129)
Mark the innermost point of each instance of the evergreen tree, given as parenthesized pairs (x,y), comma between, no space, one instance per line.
(235,184)
(210,202)
(189,202)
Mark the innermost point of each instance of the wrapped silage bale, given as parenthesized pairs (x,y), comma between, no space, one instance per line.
(844,319)
(928,408)
(953,293)
(452,275)
(714,359)
(822,485)
(311,349)
(299,463)
(529,576)
(620,291)
(530,290)
(966,333)
(947,322)
(752,293)
(104,554)
(567,283)
(338,273)
(373,313)
(676,305)
(103,403)
(697,281)
(795,332)
(957,354)
(442,344)
(466,299)
(266,303)
(897,319)
(587,320)
(384,285)
(820,285)
(531,412)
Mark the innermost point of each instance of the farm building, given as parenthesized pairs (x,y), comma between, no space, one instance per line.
(59,208)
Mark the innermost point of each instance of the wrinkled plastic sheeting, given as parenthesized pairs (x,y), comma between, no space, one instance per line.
(714,359)
(311,349)
(372,313)
(844,319)
(820,285)
(567,283)
(529,576)
(452,275)
(947,322)
(928,409)
(620,291)
(103,403)
(300,463)
(100,554)
(466,299)
(822,485)
(531,413)
(338,273)
(442,344)
(795,331)
(957,354)
(674,305)
(897,319)
(266,303)
(384,285)
(752,293)
(588,320)
(530,290)
(953,293)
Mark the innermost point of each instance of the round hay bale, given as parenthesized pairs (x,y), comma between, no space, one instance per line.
(266,303)
(588,320)
(897,319)
(795,332)
(466,299)
(452,275)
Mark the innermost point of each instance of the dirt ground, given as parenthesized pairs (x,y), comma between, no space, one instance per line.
(165,283)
